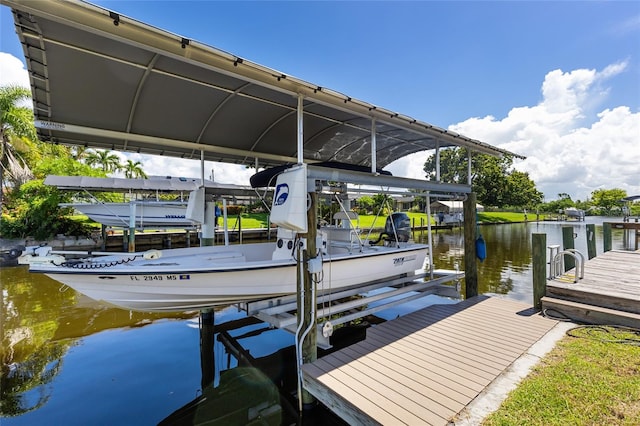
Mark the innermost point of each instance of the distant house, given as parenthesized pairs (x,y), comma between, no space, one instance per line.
(404,203)
(450,207)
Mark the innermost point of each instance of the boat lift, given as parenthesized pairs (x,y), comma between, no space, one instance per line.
(280,311)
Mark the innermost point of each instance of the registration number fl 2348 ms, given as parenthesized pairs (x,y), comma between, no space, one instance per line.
(155,277)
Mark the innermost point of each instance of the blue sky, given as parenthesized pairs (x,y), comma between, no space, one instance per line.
(556,81)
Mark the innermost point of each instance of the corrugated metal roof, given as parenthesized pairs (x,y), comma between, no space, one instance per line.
(107,81)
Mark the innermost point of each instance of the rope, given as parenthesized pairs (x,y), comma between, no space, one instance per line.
(607,334)
(91,265)
(603,333)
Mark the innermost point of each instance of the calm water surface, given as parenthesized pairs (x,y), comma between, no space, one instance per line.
(68,360)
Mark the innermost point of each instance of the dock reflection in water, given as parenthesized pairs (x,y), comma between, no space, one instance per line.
(66,359)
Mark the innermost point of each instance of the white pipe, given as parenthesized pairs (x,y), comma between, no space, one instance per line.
(224,222)
(299,328)
(312,323)
(429,238)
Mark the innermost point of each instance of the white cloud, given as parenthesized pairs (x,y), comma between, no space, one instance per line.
(571,146)
(177,167)
(569,150)
(12,71)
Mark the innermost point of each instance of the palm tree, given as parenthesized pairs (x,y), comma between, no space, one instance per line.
(133,170)
(104,159)
(16,122)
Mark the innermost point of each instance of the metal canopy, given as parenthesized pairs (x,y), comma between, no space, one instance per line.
(107,81)
(156,183)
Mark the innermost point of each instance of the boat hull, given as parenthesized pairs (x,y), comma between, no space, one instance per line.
(173,282)
(148,215)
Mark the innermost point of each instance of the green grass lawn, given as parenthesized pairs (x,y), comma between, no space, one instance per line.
(582,381)
(260,220)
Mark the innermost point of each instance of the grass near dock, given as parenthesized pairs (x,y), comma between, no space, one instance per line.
(591,379)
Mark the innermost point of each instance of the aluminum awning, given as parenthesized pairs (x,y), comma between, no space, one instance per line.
(152,184)
(103,80)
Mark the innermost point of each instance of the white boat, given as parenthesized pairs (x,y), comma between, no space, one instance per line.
(200,277)
(148,214)
(572,212)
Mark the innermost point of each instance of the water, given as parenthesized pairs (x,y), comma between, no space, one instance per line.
(66,359)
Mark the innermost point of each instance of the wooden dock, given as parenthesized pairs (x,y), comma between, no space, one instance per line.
(609,293)
(425,367)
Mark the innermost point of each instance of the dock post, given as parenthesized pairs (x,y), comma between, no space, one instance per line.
(207,360)
(591,241)
(606,236)
(539,267)
(470,264)
(125,238)
(568,243)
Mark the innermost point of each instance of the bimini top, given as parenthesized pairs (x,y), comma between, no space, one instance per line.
(103,80)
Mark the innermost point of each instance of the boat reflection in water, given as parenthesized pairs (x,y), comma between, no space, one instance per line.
(242,395)
(40,322)
(59,347)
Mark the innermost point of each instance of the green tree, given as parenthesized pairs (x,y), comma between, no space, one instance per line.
(365,204)
(104,160)
(557,206)
(453,166)
(16,126)
(133,170)
(382,203)
(522,190)
(493,179)
(35,212)
(608,199)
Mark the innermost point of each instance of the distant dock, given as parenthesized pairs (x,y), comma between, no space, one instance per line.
(426,367)
(609,293)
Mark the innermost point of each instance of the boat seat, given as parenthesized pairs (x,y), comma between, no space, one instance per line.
(340,217)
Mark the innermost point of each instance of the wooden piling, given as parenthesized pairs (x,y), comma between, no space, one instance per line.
(539,268)
(568,243)
(606,236)
(470,265)
(207,358)
(591,240)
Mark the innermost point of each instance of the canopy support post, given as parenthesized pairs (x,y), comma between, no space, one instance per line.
(438,161)
(374,148)
(469,167)
(429,237)
(300,130)
(132,226)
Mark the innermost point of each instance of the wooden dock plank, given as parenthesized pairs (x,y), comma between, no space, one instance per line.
(400,393)
(465,383)
(439,390)
(425,367)
(611,280)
